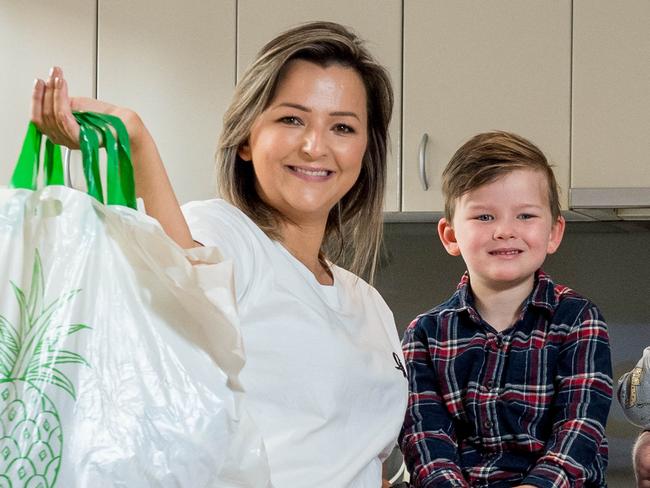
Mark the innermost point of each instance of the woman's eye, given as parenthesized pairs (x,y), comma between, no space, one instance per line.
(344,129)
(290,120)
(485,217)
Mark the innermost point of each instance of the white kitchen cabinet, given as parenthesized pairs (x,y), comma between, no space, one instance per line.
(379,22)
(174,64)
(611,96)
(34,36)
(473,66)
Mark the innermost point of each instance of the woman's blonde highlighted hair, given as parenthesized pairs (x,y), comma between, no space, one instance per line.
(354,227)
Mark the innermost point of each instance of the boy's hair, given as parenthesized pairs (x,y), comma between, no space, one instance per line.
(488,156)
(354,228)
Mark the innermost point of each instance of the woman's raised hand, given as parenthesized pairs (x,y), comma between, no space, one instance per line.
(52,113)
(52,110)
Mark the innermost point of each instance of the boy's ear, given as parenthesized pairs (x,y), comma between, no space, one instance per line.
(557,231)
(244,151)
(448,237)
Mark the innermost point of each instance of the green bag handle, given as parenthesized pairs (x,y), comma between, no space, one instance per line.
(119,177)
(27,167)
(120,181)
(53,164)
(89,145)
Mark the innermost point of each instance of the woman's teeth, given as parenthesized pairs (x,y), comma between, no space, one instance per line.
(311,172)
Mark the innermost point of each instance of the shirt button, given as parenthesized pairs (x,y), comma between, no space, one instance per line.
(490,384)
(488,424)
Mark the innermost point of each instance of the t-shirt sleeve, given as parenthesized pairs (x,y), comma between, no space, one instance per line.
(213,223)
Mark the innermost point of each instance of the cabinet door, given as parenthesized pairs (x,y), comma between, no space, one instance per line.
(174,64)
(611,94)
(473,66)
(34,36)
(379,22)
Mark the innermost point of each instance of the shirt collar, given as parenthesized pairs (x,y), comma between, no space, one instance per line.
(466,298)
(543,295)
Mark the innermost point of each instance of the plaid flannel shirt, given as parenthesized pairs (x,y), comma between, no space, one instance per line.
(524,406)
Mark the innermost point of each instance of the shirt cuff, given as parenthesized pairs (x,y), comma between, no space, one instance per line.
(547,476)
(444,478)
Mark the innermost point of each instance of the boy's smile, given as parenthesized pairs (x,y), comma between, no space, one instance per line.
(504,230)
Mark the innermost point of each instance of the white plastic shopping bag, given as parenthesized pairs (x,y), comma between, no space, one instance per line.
(116,367)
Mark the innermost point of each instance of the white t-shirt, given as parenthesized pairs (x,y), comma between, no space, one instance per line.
(321,374)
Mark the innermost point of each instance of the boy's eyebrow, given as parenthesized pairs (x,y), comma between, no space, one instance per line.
(530,205)
(487,205)
(302,108)
(477,205)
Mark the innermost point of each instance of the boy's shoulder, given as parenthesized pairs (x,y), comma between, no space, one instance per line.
(561,293)
(566,305)
(431,318)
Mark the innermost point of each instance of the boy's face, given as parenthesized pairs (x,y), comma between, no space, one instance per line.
(504,230)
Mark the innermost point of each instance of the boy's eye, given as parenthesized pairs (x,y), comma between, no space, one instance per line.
(344,129)
(485,217)
(290,120)
(526,216)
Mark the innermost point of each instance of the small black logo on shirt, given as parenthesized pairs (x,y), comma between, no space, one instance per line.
(399,366)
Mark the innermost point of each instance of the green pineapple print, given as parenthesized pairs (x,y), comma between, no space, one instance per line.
(31,438)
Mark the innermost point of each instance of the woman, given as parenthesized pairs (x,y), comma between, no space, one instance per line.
(302,165)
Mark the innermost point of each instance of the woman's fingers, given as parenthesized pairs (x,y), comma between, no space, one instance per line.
(52,109)
(48,102)
(52,112)
(37,102)
(66,123)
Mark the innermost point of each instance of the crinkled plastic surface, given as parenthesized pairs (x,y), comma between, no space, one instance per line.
(634,392)
(117,369)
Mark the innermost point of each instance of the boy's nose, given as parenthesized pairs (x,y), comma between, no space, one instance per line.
(504,231)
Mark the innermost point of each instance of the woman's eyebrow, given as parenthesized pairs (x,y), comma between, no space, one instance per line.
(302,108)
(293,105)
(346,114)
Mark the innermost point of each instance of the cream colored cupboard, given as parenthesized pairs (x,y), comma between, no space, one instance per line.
(611,95)
(573,77)
(34,36)
(174,64)
(473,66)
(379,22)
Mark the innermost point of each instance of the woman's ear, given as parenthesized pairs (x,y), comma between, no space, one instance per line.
(448,237)
(244,151)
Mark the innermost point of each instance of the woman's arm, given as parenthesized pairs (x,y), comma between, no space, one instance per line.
(52,113)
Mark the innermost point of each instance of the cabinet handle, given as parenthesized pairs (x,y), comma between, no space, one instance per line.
(423,159)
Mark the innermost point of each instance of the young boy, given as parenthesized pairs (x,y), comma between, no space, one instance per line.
(510,378)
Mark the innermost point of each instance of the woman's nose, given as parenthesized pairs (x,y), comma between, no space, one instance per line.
(314,144)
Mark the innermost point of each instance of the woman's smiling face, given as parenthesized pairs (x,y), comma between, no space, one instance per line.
(307,146)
